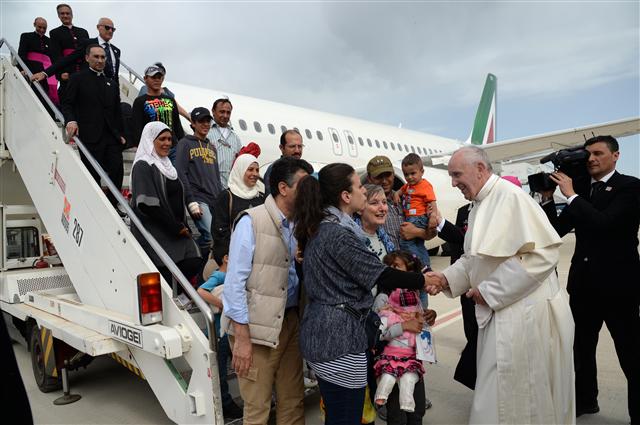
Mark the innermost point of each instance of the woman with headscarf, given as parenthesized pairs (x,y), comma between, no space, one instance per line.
(158,201)
(245,191)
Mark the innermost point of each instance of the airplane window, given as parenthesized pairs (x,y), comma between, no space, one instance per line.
(393,146)
(308,133)
(257,126)
(420,150)
(335,137)
(385,144)
(369,142)
(271,128)
(350,139)
(377,143)
(243,125)
(399,147)
(319,134)
(406,148)
(413,149)
(296,129)
(360,141)
(430,152)
(283,128)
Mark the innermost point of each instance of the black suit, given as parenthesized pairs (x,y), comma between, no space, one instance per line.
(64,39)
(94,103)
(79,55)
(34,42)
(603,280)
(454,234)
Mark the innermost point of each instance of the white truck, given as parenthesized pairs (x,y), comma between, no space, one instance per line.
(97,292)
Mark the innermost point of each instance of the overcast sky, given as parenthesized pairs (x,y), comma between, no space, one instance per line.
(559,64)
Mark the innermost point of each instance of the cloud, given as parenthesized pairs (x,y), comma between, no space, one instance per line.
(387,62)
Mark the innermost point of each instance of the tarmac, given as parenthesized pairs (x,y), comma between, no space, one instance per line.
(111,394)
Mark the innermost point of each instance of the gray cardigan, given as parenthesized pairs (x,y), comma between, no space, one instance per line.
(338,268)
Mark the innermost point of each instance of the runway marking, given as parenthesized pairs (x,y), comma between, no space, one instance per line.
(447,319)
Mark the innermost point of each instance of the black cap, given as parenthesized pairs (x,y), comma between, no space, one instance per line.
(199,113)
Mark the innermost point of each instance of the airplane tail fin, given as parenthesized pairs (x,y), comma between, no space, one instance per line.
(484,126)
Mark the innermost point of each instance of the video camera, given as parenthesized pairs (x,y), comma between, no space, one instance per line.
(571,161)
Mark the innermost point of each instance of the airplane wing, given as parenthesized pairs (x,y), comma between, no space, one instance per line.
(530,148)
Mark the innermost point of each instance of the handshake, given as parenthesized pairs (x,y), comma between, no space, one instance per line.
(435,282)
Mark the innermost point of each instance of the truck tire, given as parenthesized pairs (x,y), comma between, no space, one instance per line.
(45,380)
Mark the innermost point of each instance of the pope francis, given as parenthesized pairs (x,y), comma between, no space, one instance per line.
(525,340)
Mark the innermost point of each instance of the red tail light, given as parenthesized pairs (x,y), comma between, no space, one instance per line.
(149,298)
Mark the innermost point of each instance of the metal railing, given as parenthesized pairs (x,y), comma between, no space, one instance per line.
(164,257)
(133,75)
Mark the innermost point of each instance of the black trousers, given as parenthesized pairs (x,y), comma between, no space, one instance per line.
(466,369)
(590,310)
(108,153)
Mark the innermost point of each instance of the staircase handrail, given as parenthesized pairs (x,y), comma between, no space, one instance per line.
(162,254)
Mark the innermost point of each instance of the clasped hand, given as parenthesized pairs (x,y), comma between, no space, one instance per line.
(435,282)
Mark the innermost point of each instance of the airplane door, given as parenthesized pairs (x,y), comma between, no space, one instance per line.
(336,142)
(352,147)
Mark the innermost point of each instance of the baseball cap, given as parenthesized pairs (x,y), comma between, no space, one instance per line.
(199,113)
(378,165)
(155,69)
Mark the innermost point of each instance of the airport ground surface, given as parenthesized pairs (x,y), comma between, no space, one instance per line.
(113,395)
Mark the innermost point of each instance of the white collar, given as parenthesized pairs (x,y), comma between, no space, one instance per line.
(605,178)
(101,41)
(486,188)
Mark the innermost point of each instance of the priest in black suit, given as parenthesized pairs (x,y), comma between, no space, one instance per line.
(112,53)
(91,108)
(604,283)
(37,52)
(453,234)
(66,39)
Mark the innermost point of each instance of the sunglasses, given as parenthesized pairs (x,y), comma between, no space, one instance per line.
(109,28)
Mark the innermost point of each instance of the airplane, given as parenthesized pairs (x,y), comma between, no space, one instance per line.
(332,138)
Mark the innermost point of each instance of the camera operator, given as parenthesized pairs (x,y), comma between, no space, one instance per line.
(604,210)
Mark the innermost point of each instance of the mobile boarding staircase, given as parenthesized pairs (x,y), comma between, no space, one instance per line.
(93,303)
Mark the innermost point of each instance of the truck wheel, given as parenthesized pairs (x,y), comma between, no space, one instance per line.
(44,369)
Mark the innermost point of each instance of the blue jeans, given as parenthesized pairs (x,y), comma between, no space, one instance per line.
(343,406)
(204,226)
(416,246)
(224,354)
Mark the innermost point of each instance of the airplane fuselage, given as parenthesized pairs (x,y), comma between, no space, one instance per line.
(328,137)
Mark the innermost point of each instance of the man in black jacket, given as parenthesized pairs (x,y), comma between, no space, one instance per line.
(603,279)
(66,39)
(454,234)
(112,53)
(91,108)
(37,52)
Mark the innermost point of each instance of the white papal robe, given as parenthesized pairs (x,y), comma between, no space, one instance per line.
(525,340)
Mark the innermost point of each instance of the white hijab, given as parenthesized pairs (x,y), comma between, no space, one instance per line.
(146,151)
(236,178)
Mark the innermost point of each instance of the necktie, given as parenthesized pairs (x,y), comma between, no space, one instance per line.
(111,70)
(596,189)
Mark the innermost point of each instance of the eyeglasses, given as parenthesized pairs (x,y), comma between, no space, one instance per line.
(109,28)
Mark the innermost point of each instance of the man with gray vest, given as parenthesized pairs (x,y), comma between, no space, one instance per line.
(261,298)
